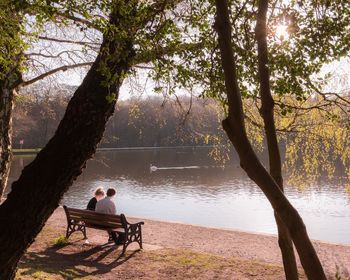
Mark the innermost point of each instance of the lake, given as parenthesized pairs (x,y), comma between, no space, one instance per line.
(202,193)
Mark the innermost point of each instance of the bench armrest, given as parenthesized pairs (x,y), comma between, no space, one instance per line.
(132,228)
(130,224)
(136,224)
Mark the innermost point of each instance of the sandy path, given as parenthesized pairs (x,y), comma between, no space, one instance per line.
(261,247)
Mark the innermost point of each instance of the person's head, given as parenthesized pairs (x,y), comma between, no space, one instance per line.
(111,192)
(99,193)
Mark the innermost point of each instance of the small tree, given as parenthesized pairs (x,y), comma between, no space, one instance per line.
(234,126)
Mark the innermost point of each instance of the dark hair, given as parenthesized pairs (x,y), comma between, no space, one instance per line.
(111,192)
(99,191)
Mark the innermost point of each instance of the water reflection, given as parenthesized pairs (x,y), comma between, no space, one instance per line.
(207,196)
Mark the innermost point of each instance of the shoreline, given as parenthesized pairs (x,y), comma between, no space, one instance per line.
(34,151)
(231,229)
(226,243)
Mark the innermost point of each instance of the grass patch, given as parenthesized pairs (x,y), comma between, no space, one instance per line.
(61,241)
(39,275)
(190,265)
(339,276)
(26,151)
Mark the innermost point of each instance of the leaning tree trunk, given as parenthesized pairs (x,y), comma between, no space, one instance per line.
(37,192)
(6,105)
(267,113)
(235,128)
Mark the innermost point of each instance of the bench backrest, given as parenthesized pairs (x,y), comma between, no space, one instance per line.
(95,219)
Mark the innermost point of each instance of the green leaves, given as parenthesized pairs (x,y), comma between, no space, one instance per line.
(11,46)
(111,97)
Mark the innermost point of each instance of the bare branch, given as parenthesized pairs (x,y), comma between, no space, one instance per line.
(53,71)
(58,55)
(83,43)
(325,94)
(77,19)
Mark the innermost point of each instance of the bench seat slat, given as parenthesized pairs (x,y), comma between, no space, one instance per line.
(95,217)
(99,222)
(96,226)
(85,213)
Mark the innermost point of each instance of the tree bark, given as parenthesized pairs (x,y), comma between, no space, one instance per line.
(6,106)
(37,192)
(267,113)
(235,128)
(10,77)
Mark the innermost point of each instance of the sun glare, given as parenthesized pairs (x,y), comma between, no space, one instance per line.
(281,32)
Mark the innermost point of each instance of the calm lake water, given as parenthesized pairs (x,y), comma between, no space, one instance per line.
(205,194)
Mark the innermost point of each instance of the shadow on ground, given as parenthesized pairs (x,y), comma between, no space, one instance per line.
(74,260)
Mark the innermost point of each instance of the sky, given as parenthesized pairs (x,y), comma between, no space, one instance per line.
(339,81)
(46,55)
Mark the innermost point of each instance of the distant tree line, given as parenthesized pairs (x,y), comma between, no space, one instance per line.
(157,122)
(138,122)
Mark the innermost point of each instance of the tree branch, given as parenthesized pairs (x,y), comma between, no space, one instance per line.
(150,55)
(53,71)
(83,43)
(77,19)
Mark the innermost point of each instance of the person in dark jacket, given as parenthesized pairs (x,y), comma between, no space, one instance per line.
(98,195)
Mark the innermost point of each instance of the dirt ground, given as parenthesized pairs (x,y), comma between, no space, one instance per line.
(171,251)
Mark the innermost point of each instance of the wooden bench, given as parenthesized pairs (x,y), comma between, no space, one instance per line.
(79,220)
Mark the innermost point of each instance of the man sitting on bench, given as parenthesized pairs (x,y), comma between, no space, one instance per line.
(107,206)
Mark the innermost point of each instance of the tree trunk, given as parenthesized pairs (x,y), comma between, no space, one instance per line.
(10,77)
(235,128)
(267,113)
(37,192)
(6,106)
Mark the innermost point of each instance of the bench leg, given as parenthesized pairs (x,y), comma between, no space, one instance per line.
(70,230)
(137,236)
(84,232)
(75,227)
(132,235)
(124,247)
(68,233)
(140,239)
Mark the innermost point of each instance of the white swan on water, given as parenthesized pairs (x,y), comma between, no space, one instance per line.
(152,168)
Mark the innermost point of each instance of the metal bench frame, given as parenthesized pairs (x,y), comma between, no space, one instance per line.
(79,220)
